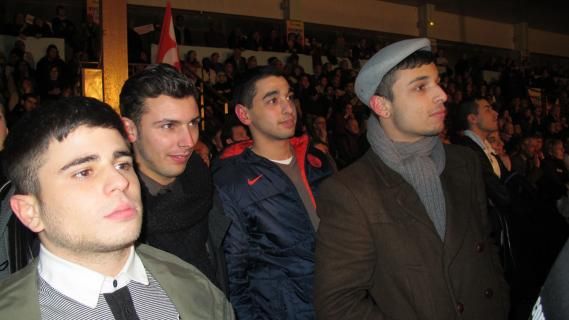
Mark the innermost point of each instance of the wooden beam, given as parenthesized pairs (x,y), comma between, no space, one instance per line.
(115,49)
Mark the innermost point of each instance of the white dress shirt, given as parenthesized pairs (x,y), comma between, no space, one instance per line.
(488,150)
(84,285)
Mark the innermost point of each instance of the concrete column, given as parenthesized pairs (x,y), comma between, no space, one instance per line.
(426,24)
(115,49)
(521,39)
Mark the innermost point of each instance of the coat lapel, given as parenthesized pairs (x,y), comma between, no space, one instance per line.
(456,182)
(393,186)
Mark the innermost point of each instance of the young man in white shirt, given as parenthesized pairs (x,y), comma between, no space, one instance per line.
(75,187)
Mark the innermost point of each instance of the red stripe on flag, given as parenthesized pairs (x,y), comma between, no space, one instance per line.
(167,48)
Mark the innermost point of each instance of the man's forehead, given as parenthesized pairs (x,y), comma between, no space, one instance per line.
(269,84)
(83,135)
(164,105)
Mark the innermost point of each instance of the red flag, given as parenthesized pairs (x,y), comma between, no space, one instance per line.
(167,48)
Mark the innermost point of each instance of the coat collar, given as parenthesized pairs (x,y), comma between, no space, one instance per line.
(454,179)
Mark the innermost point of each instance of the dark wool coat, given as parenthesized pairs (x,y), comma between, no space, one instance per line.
(378,255)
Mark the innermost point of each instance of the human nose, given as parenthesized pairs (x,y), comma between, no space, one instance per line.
(188,137)
(287,105)
(116,180)
(440,96)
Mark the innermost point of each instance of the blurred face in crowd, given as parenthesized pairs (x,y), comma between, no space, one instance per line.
(486,120)
(54,73)
(417,109)
(272,114)
(89,200)
(496,142)
(529,147)
(239,133)
(52,53)
(538,144)
(30,103)
(557,150)
(320,124)
(165,136)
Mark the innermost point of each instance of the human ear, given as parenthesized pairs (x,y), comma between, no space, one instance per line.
(380,106)
(26,208)
(130,127)
(472,119)
(242,113)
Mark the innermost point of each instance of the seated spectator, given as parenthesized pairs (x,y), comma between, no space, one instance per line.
(273,42)
(39,29)
(238,62)
(351,144)
(28,102)
(53,88)
(223,86)
(552,187)
(255,42)
(91,39)
(217,66)
(28,57)
(183,33)
(276,63)
(237,40)
(18,26)
(62,27)
(50,59)
(526,161)
(233,131)
(251,62)
(498,146)
(209,75)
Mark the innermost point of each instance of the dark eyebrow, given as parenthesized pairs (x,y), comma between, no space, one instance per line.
(94,157)
(166,120)
(176,122)
(421,78)
(122,153)
(270,93)
(79,161)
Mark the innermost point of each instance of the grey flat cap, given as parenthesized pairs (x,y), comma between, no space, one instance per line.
(382,62)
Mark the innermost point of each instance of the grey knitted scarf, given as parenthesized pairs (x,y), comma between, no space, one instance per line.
(419,163)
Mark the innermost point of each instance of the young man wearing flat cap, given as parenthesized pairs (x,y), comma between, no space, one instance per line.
(403,231)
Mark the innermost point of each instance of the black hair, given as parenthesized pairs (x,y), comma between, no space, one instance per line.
(466,108)
(154,81)
(415,60)
(246,86)
(227,128)
(30,137)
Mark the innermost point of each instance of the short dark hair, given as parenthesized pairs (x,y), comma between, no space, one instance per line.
(466,108)
(31,136)
(246,86)
(154,81)
(227,128)
(415,60)
(26,96)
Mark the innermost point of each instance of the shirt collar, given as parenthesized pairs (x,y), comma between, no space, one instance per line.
(84,285)
(154,188)
(484,144)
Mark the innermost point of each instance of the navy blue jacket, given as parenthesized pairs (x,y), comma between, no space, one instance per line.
(269,247)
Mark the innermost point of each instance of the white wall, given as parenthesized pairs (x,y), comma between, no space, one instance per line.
(382,16)
(550,43)
(359,14)
(36,46)
(255,8)
(453,27)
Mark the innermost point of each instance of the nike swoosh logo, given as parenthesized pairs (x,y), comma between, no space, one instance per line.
(251,182)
